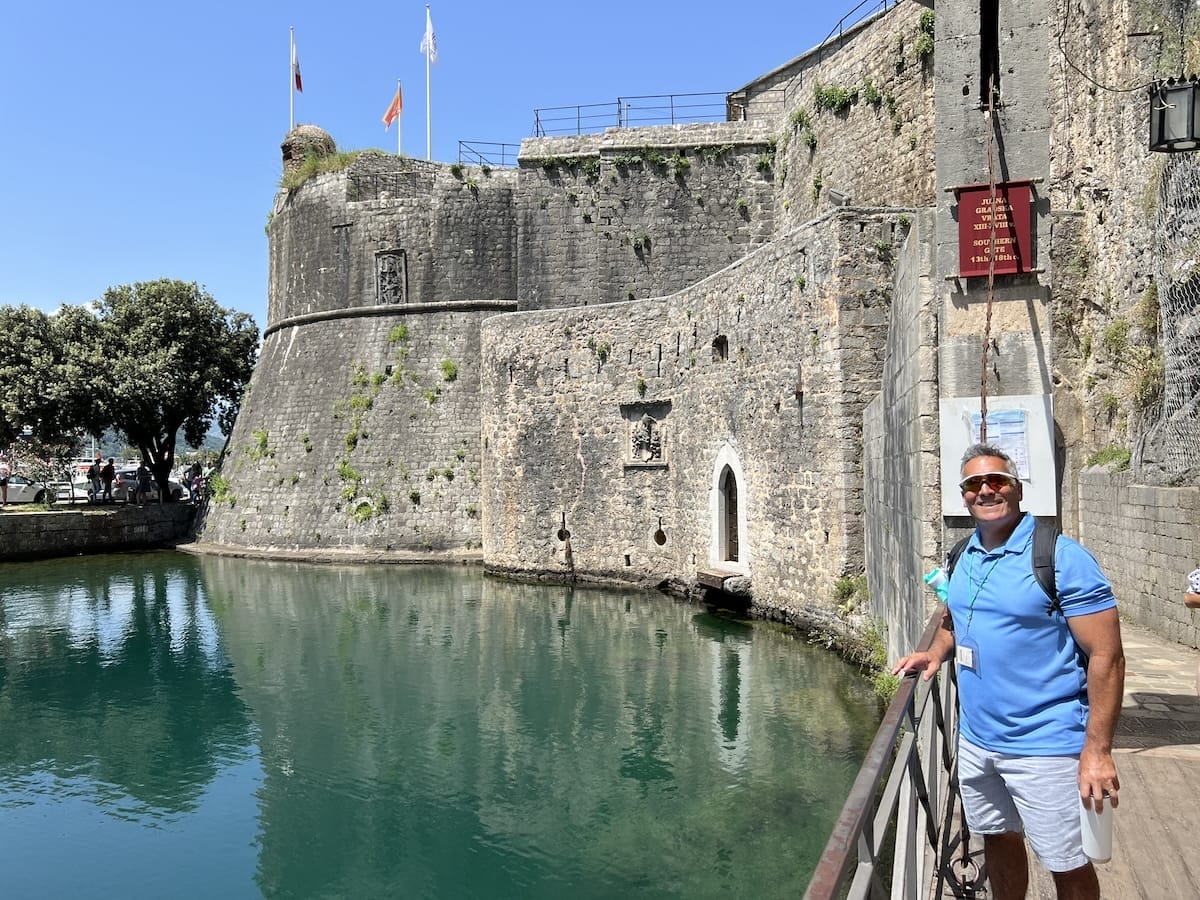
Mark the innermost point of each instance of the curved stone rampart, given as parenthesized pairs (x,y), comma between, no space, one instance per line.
(390,229)
(358,432)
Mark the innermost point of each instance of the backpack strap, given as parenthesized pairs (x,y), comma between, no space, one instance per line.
(1045,539)
(954,554)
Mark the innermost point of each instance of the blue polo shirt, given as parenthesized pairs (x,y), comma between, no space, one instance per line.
(1027,692)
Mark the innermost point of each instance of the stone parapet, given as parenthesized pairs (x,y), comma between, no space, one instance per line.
(106,529)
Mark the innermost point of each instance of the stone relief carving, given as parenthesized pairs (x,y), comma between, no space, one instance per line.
(391,276)
(647,439)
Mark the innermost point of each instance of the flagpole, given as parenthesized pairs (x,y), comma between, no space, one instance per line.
(428,112)
(399,123)
(292,79)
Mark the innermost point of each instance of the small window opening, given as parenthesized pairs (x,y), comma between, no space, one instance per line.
(989,53)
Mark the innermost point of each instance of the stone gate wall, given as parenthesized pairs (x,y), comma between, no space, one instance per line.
(762,363)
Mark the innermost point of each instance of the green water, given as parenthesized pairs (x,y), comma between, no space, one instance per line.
(182,727)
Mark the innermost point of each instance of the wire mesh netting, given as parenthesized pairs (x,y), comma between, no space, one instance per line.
(1169,449)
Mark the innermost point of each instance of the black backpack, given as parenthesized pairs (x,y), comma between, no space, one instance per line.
(1045,537)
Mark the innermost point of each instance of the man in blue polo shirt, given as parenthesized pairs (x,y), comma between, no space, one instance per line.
(1040,682)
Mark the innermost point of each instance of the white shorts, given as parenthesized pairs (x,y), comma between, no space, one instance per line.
(1038,795)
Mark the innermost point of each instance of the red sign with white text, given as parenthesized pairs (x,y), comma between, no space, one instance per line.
(996,230)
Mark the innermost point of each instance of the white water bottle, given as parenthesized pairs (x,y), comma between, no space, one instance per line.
(940,584)
(1097,832)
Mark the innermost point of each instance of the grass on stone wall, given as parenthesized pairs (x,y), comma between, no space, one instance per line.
(314,164)
(1111,454)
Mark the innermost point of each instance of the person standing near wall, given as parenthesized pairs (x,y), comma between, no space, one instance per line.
(5,471)
(107,474)
(94,478)
(1040,684)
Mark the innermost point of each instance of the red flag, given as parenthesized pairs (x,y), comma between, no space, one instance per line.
(296,69)
(393,110)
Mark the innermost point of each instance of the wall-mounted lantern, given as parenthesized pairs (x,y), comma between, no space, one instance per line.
(1175,115)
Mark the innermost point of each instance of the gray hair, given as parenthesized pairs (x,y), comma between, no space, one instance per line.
(977,450)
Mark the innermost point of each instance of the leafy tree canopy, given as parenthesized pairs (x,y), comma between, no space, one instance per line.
(148,359)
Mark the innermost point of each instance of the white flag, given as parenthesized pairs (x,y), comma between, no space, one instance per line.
(429,42)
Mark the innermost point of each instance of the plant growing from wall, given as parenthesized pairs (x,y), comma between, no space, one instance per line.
(456,170)
(834,98)
(315,164)
(871,94)
(350,478)
(1150,380)
(260,448)
(817,183)
(1110,405)
(219,490)
(1116,337)
(1148,314)
(449,370)
(680,165)
(1111,454)
(641,387)
(800,119)
(923,47)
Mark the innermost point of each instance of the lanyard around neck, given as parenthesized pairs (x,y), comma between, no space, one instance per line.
(978,587)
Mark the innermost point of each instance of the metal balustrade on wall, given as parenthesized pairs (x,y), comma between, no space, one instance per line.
(630,112)
(898,839)
(487,153)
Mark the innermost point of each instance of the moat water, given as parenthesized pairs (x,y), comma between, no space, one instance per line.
(173,726)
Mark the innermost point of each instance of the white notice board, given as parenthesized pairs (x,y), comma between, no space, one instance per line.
(1020,424)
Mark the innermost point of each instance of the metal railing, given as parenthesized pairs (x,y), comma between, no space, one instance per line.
(630,112)
(911,819)
(865,10)
(487,153)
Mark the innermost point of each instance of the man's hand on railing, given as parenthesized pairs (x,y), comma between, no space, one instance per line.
(925,663)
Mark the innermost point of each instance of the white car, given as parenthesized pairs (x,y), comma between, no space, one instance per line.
(22,490)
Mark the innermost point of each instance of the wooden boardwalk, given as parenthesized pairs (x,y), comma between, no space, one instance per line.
(1156,829)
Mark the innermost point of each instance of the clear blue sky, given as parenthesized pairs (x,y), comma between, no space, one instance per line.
(141,140)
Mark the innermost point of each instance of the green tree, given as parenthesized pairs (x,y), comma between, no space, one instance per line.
(45,377)
(171,359)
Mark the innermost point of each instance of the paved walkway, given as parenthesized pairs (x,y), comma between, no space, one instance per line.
(1156,829)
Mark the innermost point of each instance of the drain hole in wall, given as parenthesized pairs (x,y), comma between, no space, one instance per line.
(627,560)
(563,534)
(660,537)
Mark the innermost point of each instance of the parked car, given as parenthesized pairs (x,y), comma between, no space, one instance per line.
(22,490)
(125,487)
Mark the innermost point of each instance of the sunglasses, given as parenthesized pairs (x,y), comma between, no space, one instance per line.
(995,480)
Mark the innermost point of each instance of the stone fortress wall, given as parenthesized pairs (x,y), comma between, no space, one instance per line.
(765,366)
(630,315)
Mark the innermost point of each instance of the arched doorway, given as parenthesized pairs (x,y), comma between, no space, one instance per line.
(728,523)
(729,547)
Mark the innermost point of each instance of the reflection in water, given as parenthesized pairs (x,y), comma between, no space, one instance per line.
(418,732)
